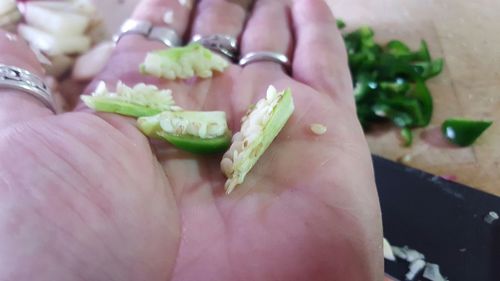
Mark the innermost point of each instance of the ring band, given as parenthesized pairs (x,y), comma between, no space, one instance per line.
(165,35)
(131,26)
(220,43)
(145,28)
(21,79)
(265,56)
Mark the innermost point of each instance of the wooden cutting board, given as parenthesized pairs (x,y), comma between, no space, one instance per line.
(466,34)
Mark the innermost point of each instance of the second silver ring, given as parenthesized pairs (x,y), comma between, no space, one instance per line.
(265,56)
(145,28)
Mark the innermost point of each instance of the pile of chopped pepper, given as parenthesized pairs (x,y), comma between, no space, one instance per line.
(390,81)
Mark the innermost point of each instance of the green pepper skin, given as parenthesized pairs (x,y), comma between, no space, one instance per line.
(464,132)
(104,104)
(151,127)
(198,145)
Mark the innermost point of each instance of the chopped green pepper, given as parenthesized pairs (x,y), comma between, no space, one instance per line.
(406,136)
(464,132)
(340,24)
(389,80)
(398,48)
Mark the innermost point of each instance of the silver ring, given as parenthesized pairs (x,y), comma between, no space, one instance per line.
(265,56)
(21,79)
(131,26)
(165,35)
(145,28)
(223,44)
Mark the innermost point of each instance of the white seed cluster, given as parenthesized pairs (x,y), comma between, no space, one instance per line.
(195,61)
(205,128)
(140,94)
(253,124)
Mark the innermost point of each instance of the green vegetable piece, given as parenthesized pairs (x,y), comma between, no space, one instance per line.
(398,48)
(398,87)
(340,24)
(407,136)
(427,70)
(423,53)
(193,131)
(422,94)
(259,128)
(399,117)
(141,100)
(364,84)
(464,132)
(183,62)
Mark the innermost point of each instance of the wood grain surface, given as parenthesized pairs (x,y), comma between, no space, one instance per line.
(467,35)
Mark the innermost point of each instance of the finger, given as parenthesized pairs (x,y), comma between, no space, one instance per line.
(172,14)
(268,29)
(132,49)
(211,17)
(320,58)
(17,106)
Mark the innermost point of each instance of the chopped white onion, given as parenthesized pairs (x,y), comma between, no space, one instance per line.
(415,268)
(491,217)
(54,45)
(388,254)
(7,6)
(433,273)
(55,21)
(405,253)
(9,18)
(83,7)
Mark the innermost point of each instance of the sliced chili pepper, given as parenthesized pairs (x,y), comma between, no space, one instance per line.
(464,132)
(389,81)
(340,24)
(398,48)
(422,94)
(407,136)
(428,70)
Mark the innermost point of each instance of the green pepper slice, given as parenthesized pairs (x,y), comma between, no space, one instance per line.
(340,24)
(282,108)
(423,53)
(422,94)
(193,131)
(193,60)
(464,132)
(407,136)
(398,48)
(119,107)
(140,100)
(427,70)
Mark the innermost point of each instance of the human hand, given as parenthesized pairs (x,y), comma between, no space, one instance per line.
(85,196)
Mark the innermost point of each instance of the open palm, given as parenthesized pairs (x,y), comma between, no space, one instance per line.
(102,203)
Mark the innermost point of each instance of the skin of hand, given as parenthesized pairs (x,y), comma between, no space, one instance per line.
(85,196)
